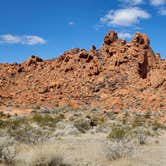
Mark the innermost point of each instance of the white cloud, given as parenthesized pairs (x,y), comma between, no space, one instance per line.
(157,2)
(163,11)
(124,17)
(123,35)
(24,39)
(8,38)
(132,2)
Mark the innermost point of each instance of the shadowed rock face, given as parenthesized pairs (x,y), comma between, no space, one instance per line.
(119,75)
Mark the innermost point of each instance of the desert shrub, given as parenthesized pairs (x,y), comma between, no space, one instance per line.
(117,150)
(29,135)
(17,123)
(156,125)
(13,123)
(7,150)
(96,119)
(41,155)
(138,121)
(142,138)
(82,124)
(3,124)
(47,120)
(2,115)
(53,161)
(141,134)
(118,133)
(8,155)
(147,115)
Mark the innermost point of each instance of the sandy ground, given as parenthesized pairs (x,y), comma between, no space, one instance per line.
(21,111)
(152,154)
(89,150)
(84,150)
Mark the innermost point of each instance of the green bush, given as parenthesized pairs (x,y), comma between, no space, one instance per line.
(119,133)
(82,124)
(47,120)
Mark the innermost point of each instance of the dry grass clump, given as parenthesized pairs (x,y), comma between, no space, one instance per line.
(117,150)
(41,155)
(30,135)
(7,150)
(47,120)
(119,133)
(120,145)
(82,124)
(26,155)
(122,140)
(12,123)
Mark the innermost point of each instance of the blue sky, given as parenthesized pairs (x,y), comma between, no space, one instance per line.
(49,27)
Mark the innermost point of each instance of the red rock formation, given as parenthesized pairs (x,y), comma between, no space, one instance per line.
(119,75)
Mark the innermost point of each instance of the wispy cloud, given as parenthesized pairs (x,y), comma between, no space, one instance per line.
(124,17)
(157,2)
(24,39)
(71,23)
(162,11)
(124,35)
(132,2)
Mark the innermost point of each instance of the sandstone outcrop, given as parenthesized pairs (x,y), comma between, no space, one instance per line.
(119,75)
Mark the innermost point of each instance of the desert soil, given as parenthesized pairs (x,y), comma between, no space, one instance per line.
(89,150)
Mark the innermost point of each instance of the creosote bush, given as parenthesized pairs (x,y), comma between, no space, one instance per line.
(47,120)
(119,133)
(82,124)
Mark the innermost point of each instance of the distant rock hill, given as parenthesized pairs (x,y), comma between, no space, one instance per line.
(119,75)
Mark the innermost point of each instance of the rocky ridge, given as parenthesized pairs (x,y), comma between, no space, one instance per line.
(119,75)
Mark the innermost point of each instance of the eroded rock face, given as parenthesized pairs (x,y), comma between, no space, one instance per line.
(110,38)
(119,75)
(141,39)
(33,60)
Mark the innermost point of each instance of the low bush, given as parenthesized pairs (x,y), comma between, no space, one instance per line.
(30,135)
(12,123)
(82,124)
(138,121)
(156,125)
(41,155)
(117,150)
(118,133)
(7,150)
(47,120)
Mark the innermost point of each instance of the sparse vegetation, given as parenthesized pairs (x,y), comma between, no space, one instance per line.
(82,124)
(119,133)
(156,125)
(121,149)
(7,150)
(28,138)
(41,155)
(47,120)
